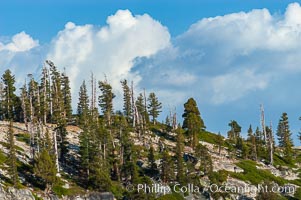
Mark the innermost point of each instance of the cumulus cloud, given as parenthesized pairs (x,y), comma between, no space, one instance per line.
(218,60)
(19,43)
(109,50)
(226,58)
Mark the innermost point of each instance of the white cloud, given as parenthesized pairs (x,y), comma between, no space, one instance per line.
(19,43)
(226,58)
(109,50)
(218,60)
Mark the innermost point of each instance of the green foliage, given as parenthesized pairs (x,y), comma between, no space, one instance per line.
(193,123)
(2,158)
(154,106)
(268,194)
(66,93)
(60,191)
(173,196)
(23,137)
(179,157)
(284,137)
(12,158)
(234,132)
(254,175)
(151,160)
(211,138)
(106,100)
(280,161)
(218,177)
(167,173)
(204,157)
(45,168)
(7,145)
(83,106)
(297,194)
(8,103)
(142,108)
(127,104)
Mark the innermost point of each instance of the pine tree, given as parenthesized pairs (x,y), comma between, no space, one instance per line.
(166,167)
(260,144)
(270,145)
(127,161)
(179,157)
(127,105)
(284,137)
(154,106)
(46,169)
(66,96)
(250,133)
(151,161)
(202,153)
(25,104)
(234,132)
(106,100)
(45,95)
(142,110)
(57,99)
(12,158)
(57,109)
(9,95)
(83,106)
(193,123)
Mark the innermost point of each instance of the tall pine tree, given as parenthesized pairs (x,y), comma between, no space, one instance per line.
(9,95)
(284,137)
(154,106)
(193,123)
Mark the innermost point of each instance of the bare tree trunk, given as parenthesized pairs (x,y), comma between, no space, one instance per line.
(263,124)
(271,145)
(50,95)
(133,105)
(56,152)
(44,96)
(24,109)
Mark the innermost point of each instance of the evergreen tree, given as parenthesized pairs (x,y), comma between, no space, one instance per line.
(66,96)
(140,104)
(128,159)
(84,151)
(127,105)
(45,95)
(259,140)
(179,157)
(234,132)
(151,161)
(57,99)
(166,167)
(202,153)
(45,168)
(9,95)
(270,144)
(284,137)
(12,158)
(83,106)
(154,106)
(24,100)
(58,110)
(250,133)
(106,100)
(193,123)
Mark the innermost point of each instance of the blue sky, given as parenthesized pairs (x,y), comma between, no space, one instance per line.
(250,54)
